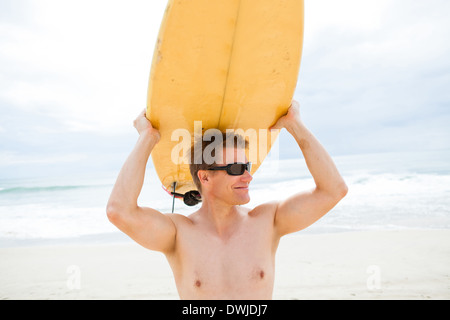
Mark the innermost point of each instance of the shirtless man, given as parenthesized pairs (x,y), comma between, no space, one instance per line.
(224,250)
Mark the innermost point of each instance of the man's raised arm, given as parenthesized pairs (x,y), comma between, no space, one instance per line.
(303,209)
(146,226)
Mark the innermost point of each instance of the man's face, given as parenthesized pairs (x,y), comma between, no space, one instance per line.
(231,189)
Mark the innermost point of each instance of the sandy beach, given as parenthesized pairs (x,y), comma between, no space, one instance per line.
(410,264)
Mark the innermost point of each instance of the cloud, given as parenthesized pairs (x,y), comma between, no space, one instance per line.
(370,64)
(87,61)
(374,76)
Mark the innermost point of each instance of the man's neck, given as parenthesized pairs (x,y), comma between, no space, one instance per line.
(222,217)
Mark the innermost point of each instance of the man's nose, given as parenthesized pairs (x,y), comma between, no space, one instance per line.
(247,177)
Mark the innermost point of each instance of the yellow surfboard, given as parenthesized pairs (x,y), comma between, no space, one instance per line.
(231,64)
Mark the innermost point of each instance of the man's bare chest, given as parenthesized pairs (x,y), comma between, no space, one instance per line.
(242,262)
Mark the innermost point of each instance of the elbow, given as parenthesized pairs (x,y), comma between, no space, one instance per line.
(113,213)
(338,192)
(118,214)
(342,190)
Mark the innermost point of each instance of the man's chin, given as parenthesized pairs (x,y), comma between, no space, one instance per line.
(242,200)
(237,198)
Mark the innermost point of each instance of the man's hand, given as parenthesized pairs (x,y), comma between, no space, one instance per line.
(143,125)
(292,117)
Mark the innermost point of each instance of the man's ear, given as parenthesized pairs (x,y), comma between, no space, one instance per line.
(203,176)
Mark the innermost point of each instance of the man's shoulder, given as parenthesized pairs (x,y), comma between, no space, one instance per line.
(264,210)
(178,219)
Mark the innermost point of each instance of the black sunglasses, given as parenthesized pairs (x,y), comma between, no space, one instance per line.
(235,169)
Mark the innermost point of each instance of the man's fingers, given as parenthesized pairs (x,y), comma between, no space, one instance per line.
(276,126)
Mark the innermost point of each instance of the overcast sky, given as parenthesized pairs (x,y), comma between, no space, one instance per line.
(375,77)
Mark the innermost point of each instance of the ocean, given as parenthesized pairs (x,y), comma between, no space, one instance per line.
(387,191)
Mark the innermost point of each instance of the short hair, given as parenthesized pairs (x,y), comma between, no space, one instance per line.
(211,139)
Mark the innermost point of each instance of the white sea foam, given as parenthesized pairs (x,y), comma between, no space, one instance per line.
(381,196)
